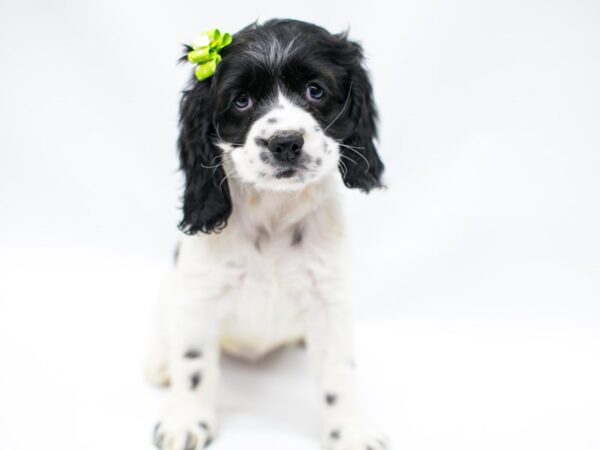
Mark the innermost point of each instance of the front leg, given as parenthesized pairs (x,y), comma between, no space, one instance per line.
(331,353)
(189,421)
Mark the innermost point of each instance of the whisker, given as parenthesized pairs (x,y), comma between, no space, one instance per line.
(361,155)
(343,108)
(212,167)
(227,175)
(340,142)
(216,166)
(348,158)
(218,156)
(345,169)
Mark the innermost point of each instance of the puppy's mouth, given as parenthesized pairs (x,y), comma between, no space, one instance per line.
(285,170)
(287,173)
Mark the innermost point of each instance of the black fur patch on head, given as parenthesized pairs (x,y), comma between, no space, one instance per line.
(265,59)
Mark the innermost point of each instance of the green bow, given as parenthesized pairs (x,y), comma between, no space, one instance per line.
(205,52)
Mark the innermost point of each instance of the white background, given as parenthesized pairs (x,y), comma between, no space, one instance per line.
(477,271)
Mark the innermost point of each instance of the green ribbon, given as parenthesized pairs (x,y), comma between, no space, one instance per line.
(205,52)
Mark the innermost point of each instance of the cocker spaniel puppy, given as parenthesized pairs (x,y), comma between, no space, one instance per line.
(267,138)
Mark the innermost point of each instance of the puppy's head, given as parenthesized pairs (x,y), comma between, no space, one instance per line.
(288,104)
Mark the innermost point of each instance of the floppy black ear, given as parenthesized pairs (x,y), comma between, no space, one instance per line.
(366,173)
(206,198)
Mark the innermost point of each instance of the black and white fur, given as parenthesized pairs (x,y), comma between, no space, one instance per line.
(264,145)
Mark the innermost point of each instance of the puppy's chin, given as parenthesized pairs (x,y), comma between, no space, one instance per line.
(293,183)
(281,180)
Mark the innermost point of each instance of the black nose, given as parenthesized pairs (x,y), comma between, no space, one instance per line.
(286,146)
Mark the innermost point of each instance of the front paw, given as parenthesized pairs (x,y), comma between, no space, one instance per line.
(178,433)
(354,436)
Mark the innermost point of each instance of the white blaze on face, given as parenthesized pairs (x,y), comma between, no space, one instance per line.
(254,162)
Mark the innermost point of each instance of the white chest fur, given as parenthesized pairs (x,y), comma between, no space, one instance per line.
(261,269)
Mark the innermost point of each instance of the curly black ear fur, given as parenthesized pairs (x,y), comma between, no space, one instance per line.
(206,198)
(366,173)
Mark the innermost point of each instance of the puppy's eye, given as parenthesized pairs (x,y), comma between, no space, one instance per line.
(314,92)
(242,102)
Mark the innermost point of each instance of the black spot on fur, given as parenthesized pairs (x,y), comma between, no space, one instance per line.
(330,399)
(261,142)
(296,237)
(176,252)
(195,380)
(192,353)
(318,161)
(264,157)
(335,434)
(261,233)
(272,120)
